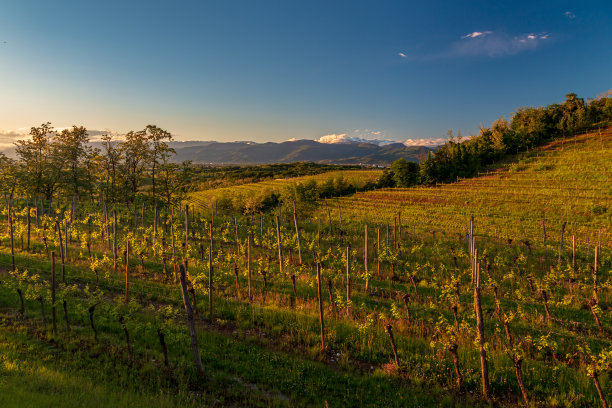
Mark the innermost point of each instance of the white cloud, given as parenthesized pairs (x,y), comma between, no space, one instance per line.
(569,15)
(476,34)
(425,142)
(9,137)
(401,54)
(343,138)
(370,136)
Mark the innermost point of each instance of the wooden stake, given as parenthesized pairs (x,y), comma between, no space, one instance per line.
(320,306)
(210,275)
(53,321)
(365,259)
(127,270)
(484,368)
(297,233)
(10,223)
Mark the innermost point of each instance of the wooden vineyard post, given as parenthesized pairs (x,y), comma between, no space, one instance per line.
(142,213)
(595,273)
(319,234)
(29,227)
(561,242)
(394,232)
(173,241)
(348,278)
(237,238)
(249,267)
(297,233)
(484,369)
(61,248)
(66,241)
(280,249)
(53,319)
(320,306)
(114,239)
(10,224)
(393,347)
(191,322)
(36,212)
(186,234)
(365,259)
(574,253)
(155,217)
(210,275)
(378,252)
(331,228)
(399,224)
(261,233)
(127,269)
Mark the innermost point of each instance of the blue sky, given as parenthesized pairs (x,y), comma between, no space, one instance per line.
(275,70)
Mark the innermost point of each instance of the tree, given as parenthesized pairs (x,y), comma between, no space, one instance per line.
(72,146)
(40,161)
(405,173)
(9,175)
(111,162)
(135,152)
(159,149)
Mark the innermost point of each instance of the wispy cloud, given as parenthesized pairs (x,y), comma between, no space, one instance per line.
(490,43)
(494,44)
(569,15)
(476,34)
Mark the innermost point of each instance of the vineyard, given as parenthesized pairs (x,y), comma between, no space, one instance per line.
(491,290)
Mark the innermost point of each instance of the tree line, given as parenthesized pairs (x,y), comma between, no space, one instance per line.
(528,127)
(63,163)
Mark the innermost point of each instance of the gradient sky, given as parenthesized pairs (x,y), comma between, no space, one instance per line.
(274,70)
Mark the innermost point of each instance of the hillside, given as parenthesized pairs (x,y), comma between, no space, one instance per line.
(566,180)
(303,310)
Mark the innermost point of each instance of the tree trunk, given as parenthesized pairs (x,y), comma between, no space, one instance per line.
(162,343)
(453,350)
(91,321)
(390,332)
(190,322)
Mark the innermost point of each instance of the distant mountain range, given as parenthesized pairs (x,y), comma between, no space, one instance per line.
(344,151)
(297,150)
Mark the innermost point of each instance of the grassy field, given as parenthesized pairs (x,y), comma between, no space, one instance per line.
(265,349)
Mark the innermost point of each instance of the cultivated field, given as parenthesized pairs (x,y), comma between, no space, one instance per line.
(344,306)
